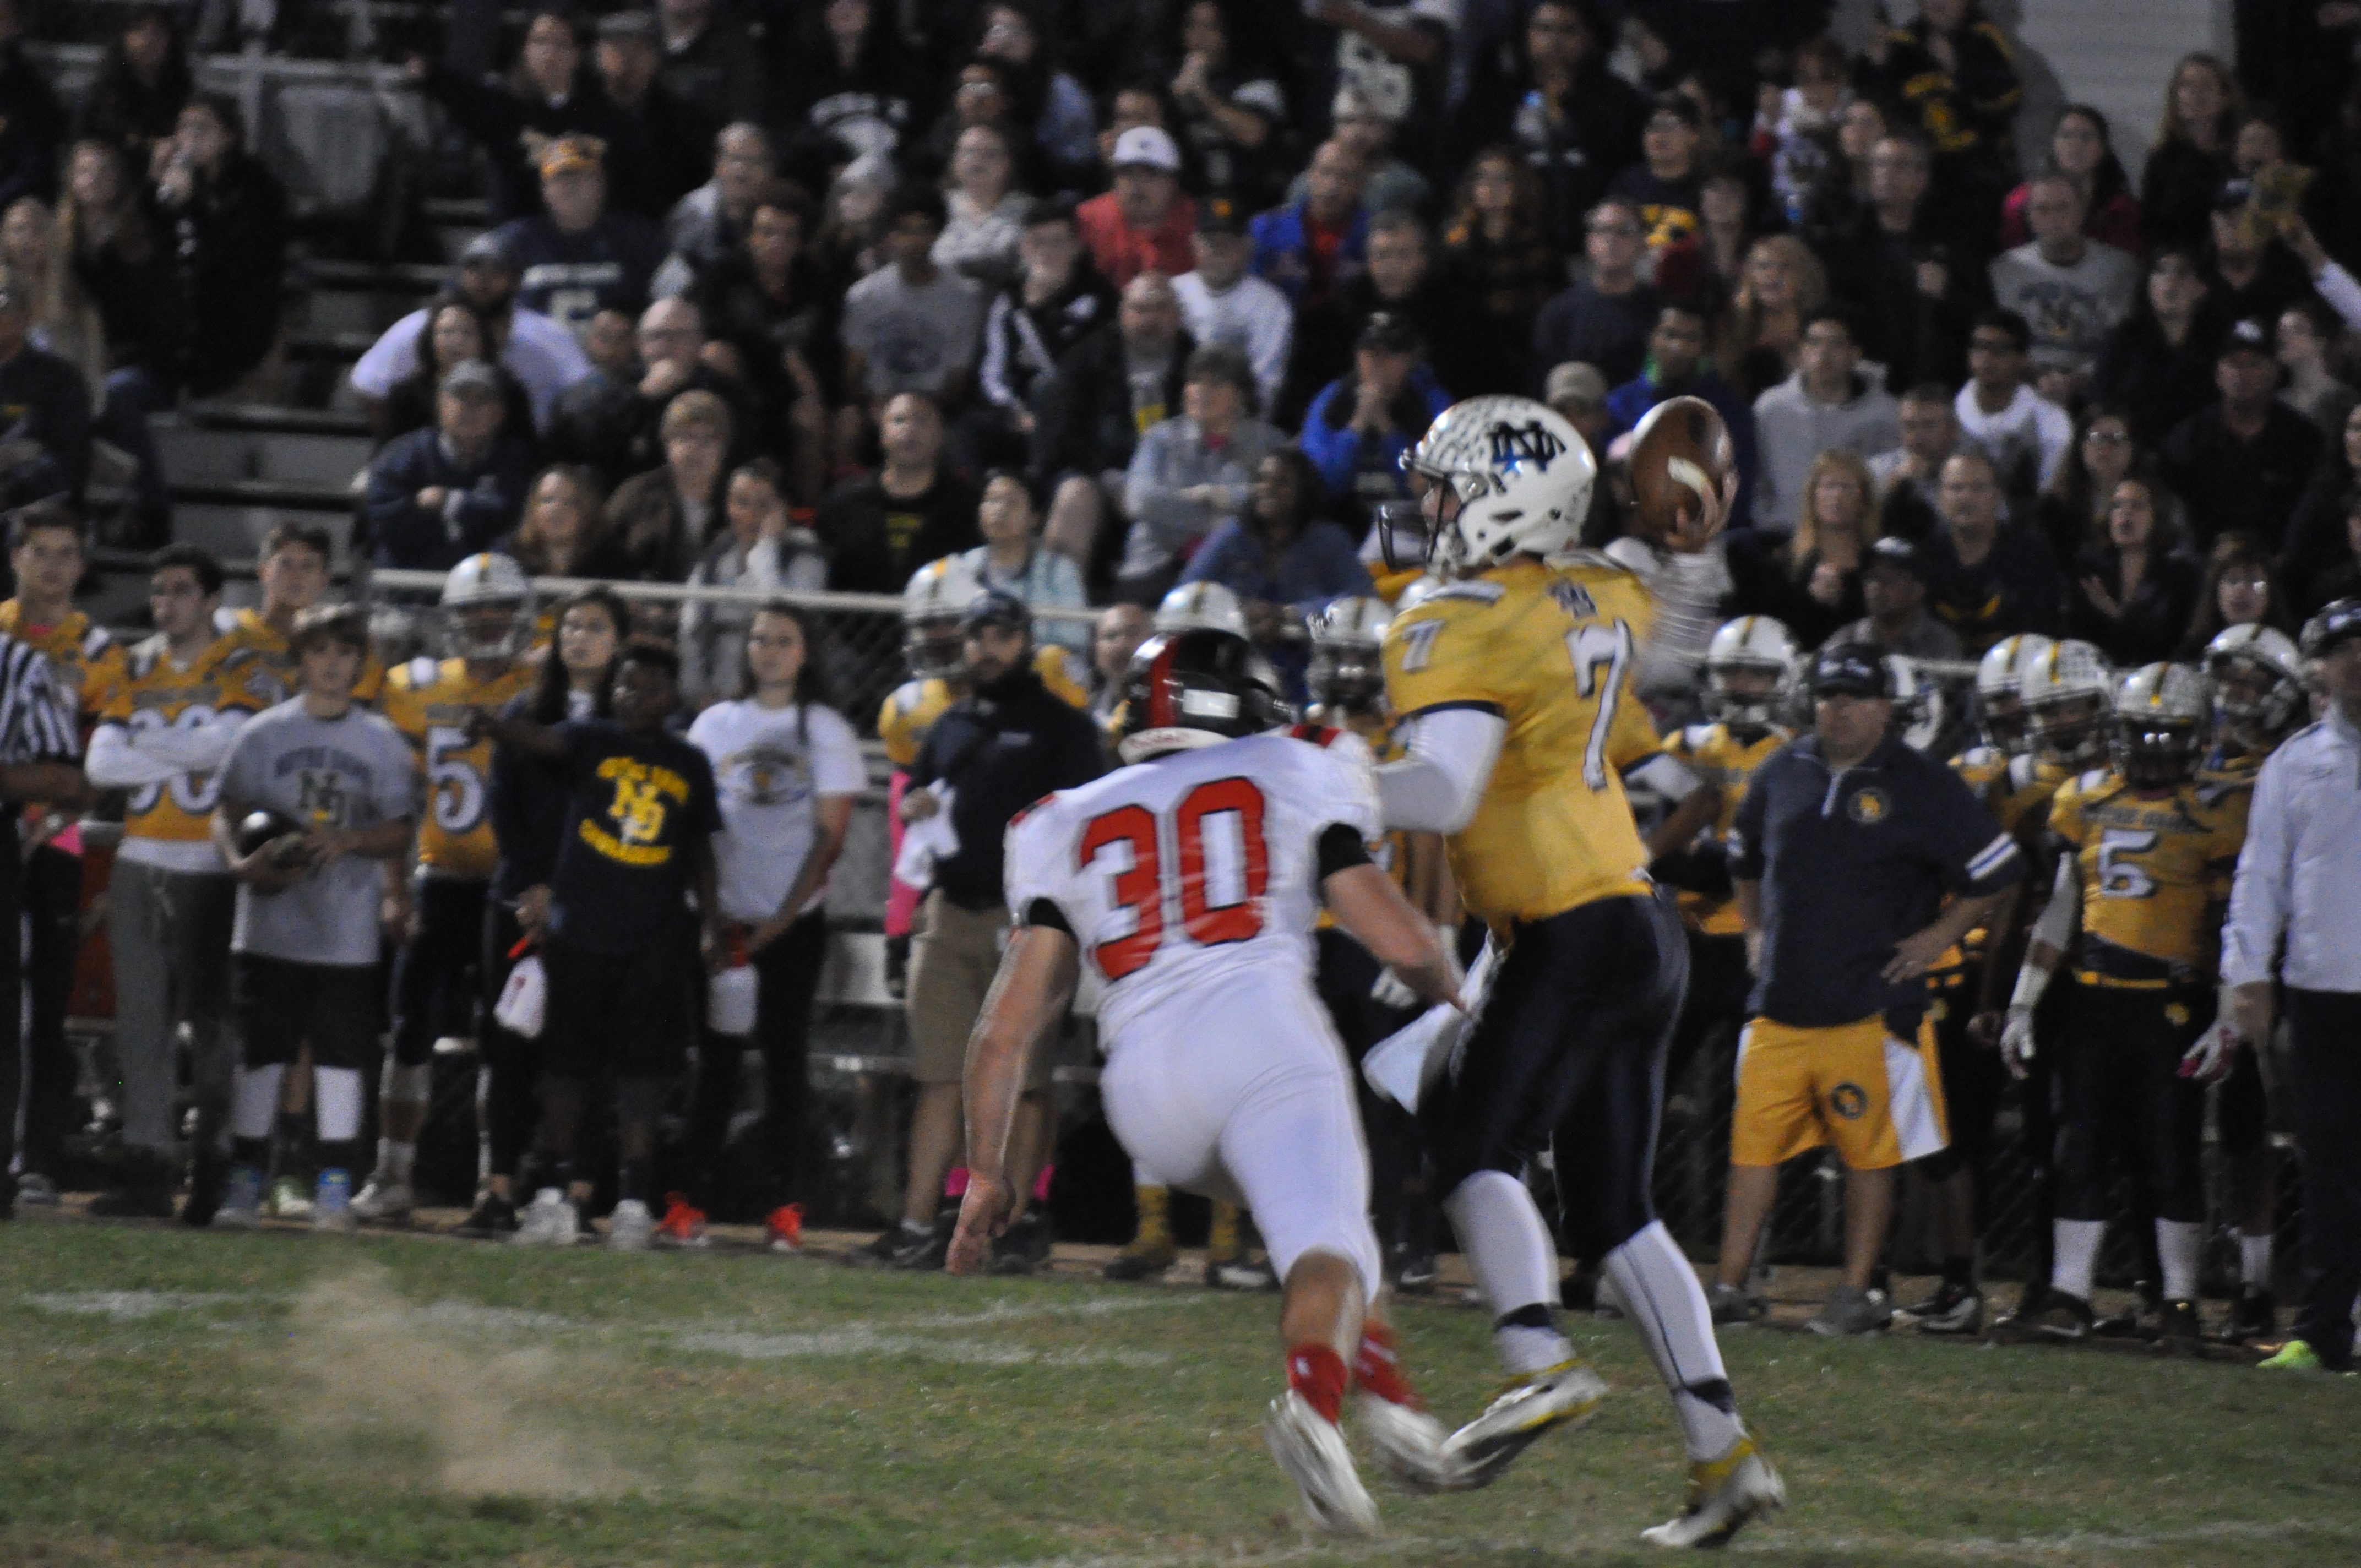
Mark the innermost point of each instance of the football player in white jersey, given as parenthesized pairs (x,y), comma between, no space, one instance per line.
(1190,881)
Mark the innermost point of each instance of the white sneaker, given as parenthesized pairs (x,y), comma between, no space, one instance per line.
(629,1227)
(1724,1494)
(384,1203)
(1313,1452)
(548,1221)
(1565,1394)
(1408,1443)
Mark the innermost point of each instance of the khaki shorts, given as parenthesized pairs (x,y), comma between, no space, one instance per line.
(954,954)
(1878,1100)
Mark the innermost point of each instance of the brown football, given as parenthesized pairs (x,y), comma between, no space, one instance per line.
(1680,449)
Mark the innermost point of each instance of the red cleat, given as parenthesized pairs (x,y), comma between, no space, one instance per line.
(787,1228)
(682,1226)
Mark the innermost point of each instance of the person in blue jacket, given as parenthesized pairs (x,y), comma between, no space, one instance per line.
(442,494)
(1361,423)
(1284,559)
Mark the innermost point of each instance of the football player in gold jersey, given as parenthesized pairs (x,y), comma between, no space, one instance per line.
(293,565)
(1749,687)
(184,693)
(1514,687)
(2257,676)
(2145,878)
(45,546)
(488,623)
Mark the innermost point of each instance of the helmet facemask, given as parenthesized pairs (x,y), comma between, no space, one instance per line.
(2007,727)
(1346,677)
(2072,732)
(1746,698)
(936,648)
(2253,704)
(2156,753)
(488,630)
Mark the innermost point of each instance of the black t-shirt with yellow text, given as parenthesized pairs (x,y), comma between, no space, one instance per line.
(633,802)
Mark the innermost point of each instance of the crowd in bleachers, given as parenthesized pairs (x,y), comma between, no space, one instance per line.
(1110,299)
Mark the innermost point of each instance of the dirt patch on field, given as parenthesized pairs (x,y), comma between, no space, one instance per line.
(370,1368)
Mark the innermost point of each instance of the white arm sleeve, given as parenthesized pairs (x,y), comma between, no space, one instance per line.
(115,763)
(198,751)
(1438,786)
(2344,295)
(2061,917)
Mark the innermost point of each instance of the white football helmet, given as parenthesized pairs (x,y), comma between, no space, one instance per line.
(2257,679)
(932,603)
(1753,644)
(2160,712)
(1347,672)
(2000,697)
(1207,607)
(2067,691)
(1521,474)
(1918,712)
(487,608)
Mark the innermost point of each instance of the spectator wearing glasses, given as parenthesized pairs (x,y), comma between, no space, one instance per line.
(2074,289)
(1604,317)
(2240,588)
(1144,222)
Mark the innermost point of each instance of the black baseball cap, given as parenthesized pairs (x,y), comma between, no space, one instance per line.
(996,606)
(1851,669)
(1220,215)
(2339,622)
(1899,553)
(1389,331)
(2249,337)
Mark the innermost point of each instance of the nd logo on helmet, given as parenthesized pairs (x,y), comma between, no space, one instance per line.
(1513,445)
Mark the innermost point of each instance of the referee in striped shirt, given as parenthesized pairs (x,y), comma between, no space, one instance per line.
(39,761)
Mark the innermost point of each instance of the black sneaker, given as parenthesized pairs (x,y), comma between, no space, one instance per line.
(1415,1270)
(2254,1317)
(2060,1318)
(493,1218)
(208,1175)
(881,1252)
(1022,1248)
(926,1251)
(144,1193)
(2177,1331)
(2142,1320)
(897,967)
(1953,1309)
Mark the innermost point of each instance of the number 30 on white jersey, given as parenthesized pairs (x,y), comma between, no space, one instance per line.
(1191,871)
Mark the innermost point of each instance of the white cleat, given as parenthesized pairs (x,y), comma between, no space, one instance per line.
(548,1221)
(1408,1443)
(1565,1394)
(384,1203)
(1313,1452)
(1724,1494)
(629,1227)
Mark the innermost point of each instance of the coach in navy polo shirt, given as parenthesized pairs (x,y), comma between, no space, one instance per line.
(1843,852)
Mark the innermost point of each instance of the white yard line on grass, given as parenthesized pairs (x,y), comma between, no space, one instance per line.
(859,1339)
(2066,1548)
(136,1306)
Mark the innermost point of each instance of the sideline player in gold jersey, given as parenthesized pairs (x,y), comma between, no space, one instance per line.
(45,546)
(1514,687)
(292,566)
(437,983)
(2145,878)
(2257,676)
(1750,689)
(185,693)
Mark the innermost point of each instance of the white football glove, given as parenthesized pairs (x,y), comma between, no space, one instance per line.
(2209,1059)
(2016,1040)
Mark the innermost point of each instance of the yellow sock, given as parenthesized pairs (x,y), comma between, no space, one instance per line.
(1155,1205)
(1221,1239)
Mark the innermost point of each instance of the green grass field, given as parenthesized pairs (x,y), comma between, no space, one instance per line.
(169,1397)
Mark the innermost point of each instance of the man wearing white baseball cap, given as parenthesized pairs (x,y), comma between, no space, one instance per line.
(1144,224)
